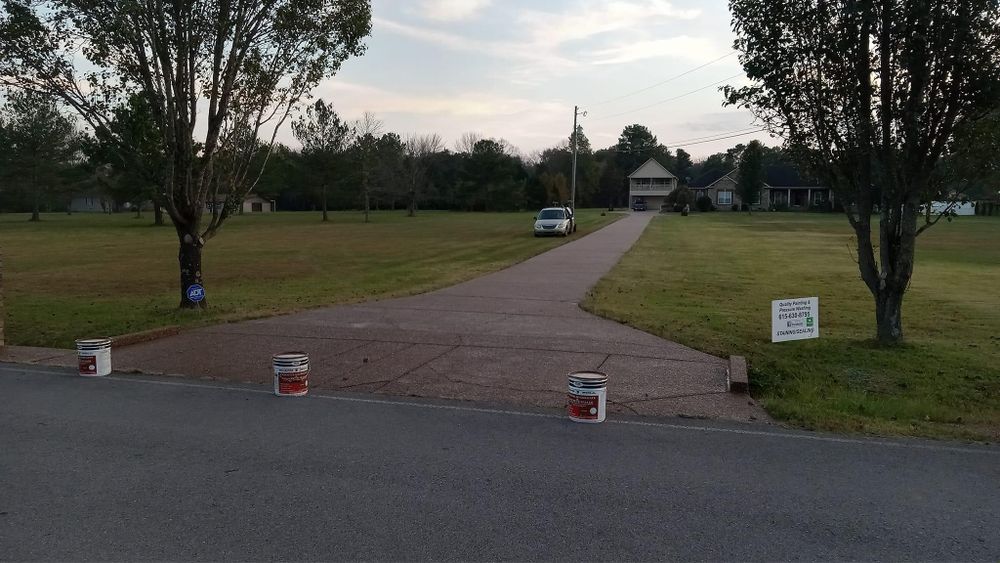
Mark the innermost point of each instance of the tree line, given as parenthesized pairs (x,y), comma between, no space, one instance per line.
(340,164)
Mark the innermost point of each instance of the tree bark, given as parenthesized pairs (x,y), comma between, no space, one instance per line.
(189,257)
(35,207)
(889,316)
(326,216)
(157,214)
(412,209)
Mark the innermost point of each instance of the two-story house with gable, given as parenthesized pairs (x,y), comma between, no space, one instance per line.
(650,184)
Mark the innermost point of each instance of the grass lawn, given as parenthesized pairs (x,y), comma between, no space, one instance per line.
(707,281)
(91,274)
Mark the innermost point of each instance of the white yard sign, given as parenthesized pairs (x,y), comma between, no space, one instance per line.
(794,319)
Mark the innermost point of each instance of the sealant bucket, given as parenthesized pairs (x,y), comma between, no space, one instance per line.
(291,374)
(94,356)
(587,400)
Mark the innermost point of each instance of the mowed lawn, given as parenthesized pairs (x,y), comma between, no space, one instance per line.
(92,274)
(707,281)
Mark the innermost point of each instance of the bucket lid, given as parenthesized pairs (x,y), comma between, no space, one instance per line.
(93,342)
(290,357)
(588,377)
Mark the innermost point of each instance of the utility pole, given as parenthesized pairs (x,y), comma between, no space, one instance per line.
(572,197)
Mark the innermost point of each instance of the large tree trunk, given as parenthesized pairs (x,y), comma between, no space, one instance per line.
(189,257)
(412,208)
(326,216)
(889,316)
(157,214)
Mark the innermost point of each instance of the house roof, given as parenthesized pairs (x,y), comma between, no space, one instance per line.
(709,178)
(775,176)
(651,169)
(786,176)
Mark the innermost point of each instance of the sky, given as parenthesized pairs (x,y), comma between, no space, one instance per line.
(514,69)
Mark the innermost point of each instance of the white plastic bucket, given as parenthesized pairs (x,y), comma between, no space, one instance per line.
(291,374)
(94,356)
(587,400)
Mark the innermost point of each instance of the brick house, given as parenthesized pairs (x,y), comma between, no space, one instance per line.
(784,187)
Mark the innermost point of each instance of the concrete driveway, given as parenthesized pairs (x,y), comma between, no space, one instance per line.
(508,337)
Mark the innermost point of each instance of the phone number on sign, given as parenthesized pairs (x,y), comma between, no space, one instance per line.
(800,315)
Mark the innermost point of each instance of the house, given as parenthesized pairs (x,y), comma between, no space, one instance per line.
(650,184)
(91,202)
(252,203)
(784,188)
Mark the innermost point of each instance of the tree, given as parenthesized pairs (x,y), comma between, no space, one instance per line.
(419,149)
(683,167)
(324,139)
(750,179)
(217,76)
(868,96)
(41,141)
(468,141)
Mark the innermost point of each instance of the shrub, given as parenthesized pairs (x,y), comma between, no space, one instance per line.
(703,203)
(735,207)
(779,207)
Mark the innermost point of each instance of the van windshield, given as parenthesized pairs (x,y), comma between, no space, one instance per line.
(552,214)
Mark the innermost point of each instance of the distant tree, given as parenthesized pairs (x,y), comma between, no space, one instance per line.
(869,96)
(750,178)
(218,76)
(419,149)
(683,167)
(368,131)
(971,168)
(41,141)
(325,138)
(467,142)
(556,187)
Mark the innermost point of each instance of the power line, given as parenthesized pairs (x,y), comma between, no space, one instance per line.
(654,104)
(671,79)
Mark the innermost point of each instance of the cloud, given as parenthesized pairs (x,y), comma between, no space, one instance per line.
(452,10)
(595,18)
(351,98)
(680,47)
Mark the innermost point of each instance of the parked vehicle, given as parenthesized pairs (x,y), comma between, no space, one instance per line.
(554,221)
(639,206)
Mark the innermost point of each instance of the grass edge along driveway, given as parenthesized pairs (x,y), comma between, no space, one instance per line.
(83,275)
(707,281)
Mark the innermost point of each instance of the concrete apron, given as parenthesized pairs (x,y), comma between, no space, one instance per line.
(508,337)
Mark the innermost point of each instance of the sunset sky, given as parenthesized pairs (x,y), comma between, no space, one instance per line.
(512,69)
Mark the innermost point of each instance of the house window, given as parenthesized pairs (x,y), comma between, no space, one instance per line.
(756,197)
(725,198)
(256,207)
(817,198)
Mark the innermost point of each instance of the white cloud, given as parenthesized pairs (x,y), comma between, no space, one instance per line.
(452,10)
(680,47)
(351,98)
(555,29)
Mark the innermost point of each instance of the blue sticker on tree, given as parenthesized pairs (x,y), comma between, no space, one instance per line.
(195,293)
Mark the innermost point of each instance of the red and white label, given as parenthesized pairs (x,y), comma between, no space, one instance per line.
(584,407)
(293,383)
(88,365)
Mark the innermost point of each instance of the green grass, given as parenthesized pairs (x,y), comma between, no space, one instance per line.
(93,274)
(707,281)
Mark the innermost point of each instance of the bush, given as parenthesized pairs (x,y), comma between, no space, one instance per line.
(779,207)
(678,207)
(703,203)
(734,207)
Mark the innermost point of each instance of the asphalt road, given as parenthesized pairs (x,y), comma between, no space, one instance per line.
(144,468)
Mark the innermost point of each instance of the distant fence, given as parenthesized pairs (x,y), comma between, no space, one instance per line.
(987,208)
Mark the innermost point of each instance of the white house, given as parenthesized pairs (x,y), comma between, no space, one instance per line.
(252,203)
(650,184)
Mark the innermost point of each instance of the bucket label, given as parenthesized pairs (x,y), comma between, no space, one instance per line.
(583,406)
(293,383)
(88,365)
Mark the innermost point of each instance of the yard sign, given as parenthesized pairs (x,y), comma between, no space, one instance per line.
(794,319)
